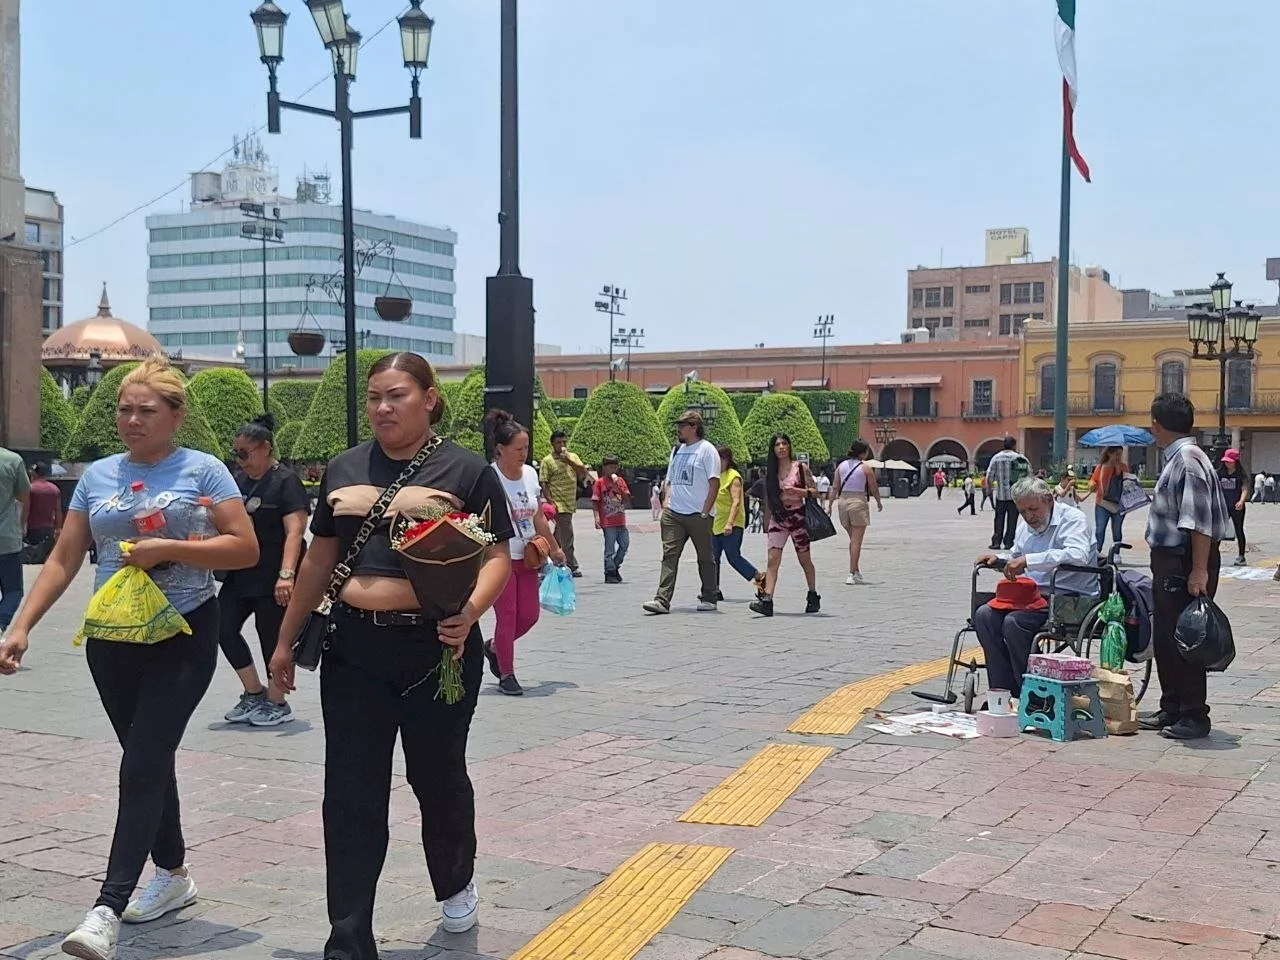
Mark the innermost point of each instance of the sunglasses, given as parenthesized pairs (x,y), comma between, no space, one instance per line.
(241,454)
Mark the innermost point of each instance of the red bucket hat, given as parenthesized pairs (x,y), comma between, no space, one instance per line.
(1020,594)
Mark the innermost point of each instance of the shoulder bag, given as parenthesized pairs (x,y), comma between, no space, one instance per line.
(537,549)
(816,520)
(1109,499)
(313,639)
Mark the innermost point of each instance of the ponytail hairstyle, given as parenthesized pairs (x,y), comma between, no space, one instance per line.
(260,430)
(503,428)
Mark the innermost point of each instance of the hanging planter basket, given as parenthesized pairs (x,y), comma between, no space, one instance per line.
(393,308)
(306,343)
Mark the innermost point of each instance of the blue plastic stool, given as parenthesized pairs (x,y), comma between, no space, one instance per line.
(1046,705)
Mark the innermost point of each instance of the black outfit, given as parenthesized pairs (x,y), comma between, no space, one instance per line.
(150,692)
(1006,638)
(371,691)
(1232,484)
(1006,524)
(968,502)
(278,492)
(1183,686)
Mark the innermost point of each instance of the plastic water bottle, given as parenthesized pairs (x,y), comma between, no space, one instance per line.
(202,527)
(149,517)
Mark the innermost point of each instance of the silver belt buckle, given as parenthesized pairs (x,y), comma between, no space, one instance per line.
(377,619)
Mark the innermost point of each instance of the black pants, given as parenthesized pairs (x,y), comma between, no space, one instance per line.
(235,610)
(968,502)
(1237,521)
(361,683)
(1005,525)
(150,692)
(1006,640)
(1183,686)
(986,498)
(939,489)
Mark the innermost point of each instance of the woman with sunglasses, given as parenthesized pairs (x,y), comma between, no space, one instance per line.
(278,505)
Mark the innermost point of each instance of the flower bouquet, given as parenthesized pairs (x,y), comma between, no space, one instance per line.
(441,551)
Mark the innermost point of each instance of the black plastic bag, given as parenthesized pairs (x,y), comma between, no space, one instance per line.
(1203,635)
(816,521)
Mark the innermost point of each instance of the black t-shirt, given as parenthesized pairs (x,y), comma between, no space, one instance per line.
(355,479)
(1231,484)
(278,492)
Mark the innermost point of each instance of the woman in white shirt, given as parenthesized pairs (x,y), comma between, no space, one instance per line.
(517,607)
(1065,491)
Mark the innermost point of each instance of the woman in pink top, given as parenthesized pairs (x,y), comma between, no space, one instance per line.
(787,484)
(939,481)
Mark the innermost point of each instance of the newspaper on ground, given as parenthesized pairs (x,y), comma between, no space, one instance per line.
(961,726)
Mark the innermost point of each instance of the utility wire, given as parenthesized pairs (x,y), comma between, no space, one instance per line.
(75,241)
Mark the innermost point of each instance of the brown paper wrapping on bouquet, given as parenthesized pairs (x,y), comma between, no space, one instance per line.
(441,565)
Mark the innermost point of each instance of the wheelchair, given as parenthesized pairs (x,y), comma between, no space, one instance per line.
(1074,626)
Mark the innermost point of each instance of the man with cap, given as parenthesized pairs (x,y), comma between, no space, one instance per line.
(610,496)
(44,515)
(693,481)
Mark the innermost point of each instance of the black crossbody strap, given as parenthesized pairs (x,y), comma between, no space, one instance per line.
(343,569)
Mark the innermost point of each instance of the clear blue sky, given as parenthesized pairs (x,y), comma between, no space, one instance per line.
(739,166)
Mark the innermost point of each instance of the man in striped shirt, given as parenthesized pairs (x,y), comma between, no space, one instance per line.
(1187,521)
(1006,468)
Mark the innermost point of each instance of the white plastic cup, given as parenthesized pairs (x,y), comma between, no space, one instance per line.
(998,702)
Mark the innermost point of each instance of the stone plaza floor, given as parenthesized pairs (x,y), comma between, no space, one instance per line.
(892,848)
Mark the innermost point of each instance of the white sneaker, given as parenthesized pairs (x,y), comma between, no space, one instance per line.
(857,579)
(461,912)
(166,892)
(850,580)
(706,606)
(95,938)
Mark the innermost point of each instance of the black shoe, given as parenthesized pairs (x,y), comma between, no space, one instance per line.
(577,574)
(612,578)
(1188,728)
(813,603)
(493,659)
(719,596)
(511,686)
(763,606)
(1157,720)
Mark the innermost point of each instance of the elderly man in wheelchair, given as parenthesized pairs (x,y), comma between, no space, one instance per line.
(1051,537)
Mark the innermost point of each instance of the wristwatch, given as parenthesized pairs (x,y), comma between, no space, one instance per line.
(285,575)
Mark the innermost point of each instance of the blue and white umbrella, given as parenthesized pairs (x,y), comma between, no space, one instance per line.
(1117,435)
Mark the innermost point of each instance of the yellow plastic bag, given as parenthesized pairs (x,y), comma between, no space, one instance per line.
(129,608)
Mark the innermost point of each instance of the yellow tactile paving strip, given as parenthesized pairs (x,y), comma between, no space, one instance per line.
(840,712)
(635,902)
(760,786)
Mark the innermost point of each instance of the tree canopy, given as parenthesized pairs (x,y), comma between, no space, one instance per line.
(95,435)
(229,400)
(57,416)
(723,428)
(618,419)
(783,413)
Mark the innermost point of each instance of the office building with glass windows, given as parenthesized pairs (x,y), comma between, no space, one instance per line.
(205,277)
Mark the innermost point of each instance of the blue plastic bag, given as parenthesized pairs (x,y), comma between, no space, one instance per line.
(557,594)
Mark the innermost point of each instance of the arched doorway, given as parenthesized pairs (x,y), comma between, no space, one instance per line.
(986,450)
(901,449)
(948,454)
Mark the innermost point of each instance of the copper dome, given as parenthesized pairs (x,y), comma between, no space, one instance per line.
(113,338)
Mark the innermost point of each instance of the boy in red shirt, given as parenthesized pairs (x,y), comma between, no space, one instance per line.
(610,496)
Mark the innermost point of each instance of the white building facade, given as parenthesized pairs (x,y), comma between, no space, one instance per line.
(43,227)
(205,279)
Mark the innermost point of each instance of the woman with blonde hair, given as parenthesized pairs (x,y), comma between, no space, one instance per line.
(156,495)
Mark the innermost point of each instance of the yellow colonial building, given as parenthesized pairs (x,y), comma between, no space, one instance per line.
(1116,367)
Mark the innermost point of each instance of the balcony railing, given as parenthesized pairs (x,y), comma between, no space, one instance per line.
(1077,403)
(907,412)
(980,411)
(1260,403)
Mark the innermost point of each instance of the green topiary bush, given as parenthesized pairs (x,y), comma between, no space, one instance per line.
(467,400)
(57,416)
(742,404)
(229,400)
(568,424)
(545,406)
(724,430)
(837,436)
(324,431)
(541,439)
(783,413)
(287,438)
(618,420)
(95,436)
(569,406)
(291,399)
(80,397)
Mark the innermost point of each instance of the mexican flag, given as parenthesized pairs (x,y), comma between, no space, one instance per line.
(1065,31)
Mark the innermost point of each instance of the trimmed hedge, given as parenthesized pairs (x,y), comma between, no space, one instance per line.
(567,424)
(617,420)
(742,404)
(569,406)
(724,430)
(324,431)
(80,398)
(287,438)
(783,413)
(545,406)
(840,436)
(468,417)
(57,416)
(95,435)
(229,400)
(290,400)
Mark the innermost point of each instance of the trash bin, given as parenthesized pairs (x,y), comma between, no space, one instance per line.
(640,489)
(901,488)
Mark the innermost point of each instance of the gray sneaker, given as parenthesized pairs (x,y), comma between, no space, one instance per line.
(270,714)
(248,703)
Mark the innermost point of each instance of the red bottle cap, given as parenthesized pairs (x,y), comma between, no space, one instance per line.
(136,486)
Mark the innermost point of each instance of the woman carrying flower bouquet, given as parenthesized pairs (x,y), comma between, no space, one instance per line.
(383,672)
(517,608)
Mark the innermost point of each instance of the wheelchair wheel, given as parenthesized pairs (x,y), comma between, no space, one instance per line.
(970,690)
(1090,639)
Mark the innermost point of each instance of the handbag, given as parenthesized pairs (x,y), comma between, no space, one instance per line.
(1109,499)
(537,550)
(816,521)
(313,639)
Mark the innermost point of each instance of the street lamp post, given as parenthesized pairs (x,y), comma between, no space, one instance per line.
(830,416)
(885,434)
(267,228)
(628,338)
(343,43)
(1209,328)
(707,410)
(614,296)
(822,331)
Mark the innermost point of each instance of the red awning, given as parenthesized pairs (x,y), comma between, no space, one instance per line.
(919,381)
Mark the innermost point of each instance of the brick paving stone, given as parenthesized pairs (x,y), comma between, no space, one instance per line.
(985,913)
(789,930)
(1105,943)
(1057,925)
(935,893)
(969,946)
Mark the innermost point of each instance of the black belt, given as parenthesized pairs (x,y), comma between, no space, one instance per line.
(383,618)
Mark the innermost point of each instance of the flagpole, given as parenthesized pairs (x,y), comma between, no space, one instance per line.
(1060,314)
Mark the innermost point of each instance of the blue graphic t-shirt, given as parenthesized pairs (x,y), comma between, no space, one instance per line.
(176,483)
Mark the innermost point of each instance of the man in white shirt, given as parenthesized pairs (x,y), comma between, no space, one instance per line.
(968,497)
(693,480)
(1049,534)
(1259,482)
(822,483)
